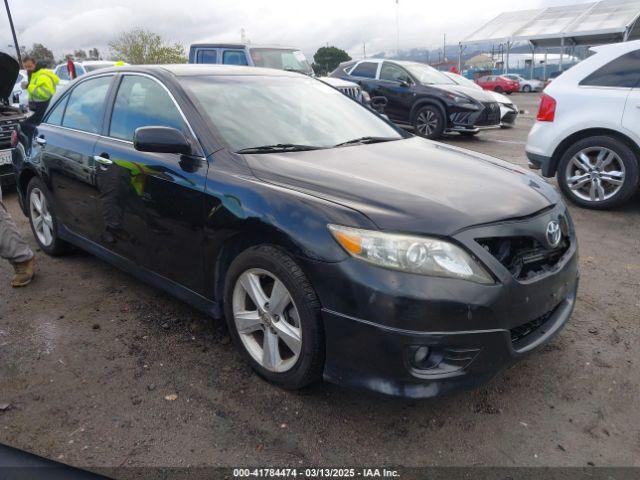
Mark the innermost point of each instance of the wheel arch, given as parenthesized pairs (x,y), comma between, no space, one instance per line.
(590,132)
(424,101)
(24,178)
(240,241)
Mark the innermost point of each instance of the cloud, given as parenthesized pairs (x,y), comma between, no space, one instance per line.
(66,25)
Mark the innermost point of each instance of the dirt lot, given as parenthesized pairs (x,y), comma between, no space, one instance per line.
(88,355)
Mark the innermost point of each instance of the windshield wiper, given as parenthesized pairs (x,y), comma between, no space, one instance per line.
(279,147)
(365,140)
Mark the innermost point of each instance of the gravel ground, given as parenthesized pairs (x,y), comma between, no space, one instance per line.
(100,370)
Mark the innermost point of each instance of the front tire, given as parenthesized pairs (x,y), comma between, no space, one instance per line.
(526,89)
(273,316)
(428,122)
(598,172)
(43,220)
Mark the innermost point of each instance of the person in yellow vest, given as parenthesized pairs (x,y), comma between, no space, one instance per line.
(119,63)
(41,87)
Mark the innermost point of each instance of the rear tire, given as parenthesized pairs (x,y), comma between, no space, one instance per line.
(283,337)
(428,122)
(498,89)
(599,172)
(43,220)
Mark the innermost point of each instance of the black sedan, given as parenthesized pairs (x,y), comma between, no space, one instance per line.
(422,97)
(334,244)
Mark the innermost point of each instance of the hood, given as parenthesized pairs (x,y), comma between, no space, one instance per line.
(474,93)
(411,185)
(8,74)
(499,97)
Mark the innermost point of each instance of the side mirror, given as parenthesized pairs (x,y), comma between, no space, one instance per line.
(405,81)
(161,140)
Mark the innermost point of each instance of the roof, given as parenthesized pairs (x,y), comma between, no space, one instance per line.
(190,69)
(591,23)
(240,46)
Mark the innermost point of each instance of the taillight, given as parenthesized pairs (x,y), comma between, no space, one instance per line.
(547,110)
(14,139)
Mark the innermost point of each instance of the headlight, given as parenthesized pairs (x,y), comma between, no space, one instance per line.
(463,101)
(421,255)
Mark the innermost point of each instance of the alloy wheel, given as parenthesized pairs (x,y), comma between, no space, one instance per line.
(427,122)
(267,320)
(41,217)
(595,174)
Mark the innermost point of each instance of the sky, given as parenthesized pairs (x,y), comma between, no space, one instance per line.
(67,25)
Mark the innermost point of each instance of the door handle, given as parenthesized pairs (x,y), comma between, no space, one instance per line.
(102,160)
(41,141)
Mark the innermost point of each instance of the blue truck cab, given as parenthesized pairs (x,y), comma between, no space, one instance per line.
(281,58)
(268,56)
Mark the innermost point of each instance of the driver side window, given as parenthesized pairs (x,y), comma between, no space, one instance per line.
(142,102)
(392,73)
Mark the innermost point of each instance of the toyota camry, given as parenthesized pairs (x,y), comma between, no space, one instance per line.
(335,245)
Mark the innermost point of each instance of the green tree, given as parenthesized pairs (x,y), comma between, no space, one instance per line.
(140,47)
(327,59)
(42,54)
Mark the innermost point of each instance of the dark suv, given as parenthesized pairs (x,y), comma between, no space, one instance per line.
(9,117)
(420,96)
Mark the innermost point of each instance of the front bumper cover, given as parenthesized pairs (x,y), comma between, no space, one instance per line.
(375,318)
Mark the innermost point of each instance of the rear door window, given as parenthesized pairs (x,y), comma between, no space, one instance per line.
(365,70)
(55,116)
(85,107)
(234,57)
(207,56)
(623,72)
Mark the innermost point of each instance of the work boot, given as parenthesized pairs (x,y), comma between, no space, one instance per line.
(25,272)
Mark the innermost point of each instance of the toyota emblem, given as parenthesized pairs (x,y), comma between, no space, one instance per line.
(554,234)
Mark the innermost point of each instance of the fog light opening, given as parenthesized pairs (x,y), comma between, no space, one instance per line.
(420,355)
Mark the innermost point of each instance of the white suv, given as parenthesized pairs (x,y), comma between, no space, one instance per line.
(588,128)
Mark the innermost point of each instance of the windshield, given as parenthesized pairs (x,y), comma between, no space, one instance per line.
(254,111)
(281,59)
(427,75)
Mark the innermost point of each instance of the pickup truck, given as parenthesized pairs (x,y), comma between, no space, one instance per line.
(268,56)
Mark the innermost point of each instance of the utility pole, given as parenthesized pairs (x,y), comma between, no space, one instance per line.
(364,50)
(444,47)
(13,32)
(397,28)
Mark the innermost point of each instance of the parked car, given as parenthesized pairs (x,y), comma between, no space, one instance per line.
(421,96)
(526,86)
(508,110)
(498,83)
(267,56)
(588,128)
(62,70)
(335,244)
(10,117)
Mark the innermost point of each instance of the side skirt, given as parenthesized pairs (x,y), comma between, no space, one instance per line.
(210,307)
